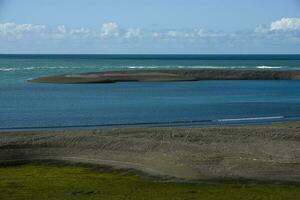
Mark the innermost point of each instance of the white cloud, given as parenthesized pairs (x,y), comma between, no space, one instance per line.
(189,34)
(133,33)
(200,33)
(59,33)
(286,24)
(156,34)
(285,31)
(110,29)
(172,33)
(262,29)
(62,29)
(18,30)
(182,34)
(80,32)
(283,25)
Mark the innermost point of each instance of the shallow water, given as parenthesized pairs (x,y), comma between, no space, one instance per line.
(28,105)
(44,105)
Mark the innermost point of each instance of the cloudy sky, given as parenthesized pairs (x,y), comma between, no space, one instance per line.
(150,26)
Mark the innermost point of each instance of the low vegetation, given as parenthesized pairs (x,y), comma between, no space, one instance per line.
(61,182)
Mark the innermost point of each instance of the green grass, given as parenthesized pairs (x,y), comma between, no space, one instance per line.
(59,182)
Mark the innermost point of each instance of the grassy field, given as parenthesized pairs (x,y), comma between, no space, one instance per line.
(60,182)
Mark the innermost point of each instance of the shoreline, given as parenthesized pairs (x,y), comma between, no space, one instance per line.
(168,76)
(259,153)
(201,124)
(224,122)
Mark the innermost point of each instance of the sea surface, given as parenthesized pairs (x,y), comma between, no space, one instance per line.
(25,105)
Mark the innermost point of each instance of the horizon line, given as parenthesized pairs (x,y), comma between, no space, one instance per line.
(168,54)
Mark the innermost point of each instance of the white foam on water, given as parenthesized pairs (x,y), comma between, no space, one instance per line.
(141,67)
(29,68)
(187,67)
(8,69)
(269,67)
(251,119)
(213,67)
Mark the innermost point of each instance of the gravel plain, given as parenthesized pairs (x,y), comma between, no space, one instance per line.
(263,153)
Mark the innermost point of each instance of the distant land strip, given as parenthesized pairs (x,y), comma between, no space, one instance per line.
(168,76)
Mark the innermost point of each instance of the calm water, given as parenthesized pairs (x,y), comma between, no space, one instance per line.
(27,105)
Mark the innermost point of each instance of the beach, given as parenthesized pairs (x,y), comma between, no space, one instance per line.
(149,100)
(164,118)
(259,153)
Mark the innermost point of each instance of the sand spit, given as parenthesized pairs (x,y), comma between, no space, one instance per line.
(169,75)
(268,153)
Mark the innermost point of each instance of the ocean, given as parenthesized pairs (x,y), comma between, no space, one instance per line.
(25,105)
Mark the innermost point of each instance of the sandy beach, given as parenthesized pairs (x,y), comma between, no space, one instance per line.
(262,153)
(169,75)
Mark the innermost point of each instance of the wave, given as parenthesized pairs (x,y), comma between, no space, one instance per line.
(185,67)
(7,69)
(56,67)
(218,67)
(208,67)
(205,67)
(183,123)
(142,67)
(251,119)
(104,68)
(269,67)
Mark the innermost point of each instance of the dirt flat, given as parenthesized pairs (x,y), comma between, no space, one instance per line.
(169,75)
(258,152)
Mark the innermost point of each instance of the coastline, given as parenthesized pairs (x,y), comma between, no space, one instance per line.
(262,153)
(168,75)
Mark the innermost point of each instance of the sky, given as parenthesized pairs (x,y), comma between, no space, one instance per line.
(150,26)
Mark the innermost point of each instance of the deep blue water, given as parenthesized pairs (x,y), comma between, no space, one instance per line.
(28,105)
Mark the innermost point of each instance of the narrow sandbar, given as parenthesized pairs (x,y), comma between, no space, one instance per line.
(169,75)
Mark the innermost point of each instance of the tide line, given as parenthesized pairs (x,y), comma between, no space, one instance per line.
(199,123)
(251,119)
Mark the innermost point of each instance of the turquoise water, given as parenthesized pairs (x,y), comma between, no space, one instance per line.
(27,105)
(16,68)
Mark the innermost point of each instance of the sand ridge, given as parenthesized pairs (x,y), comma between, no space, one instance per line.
(168,75)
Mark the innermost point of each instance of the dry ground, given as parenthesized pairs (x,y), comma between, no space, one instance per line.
(268,153)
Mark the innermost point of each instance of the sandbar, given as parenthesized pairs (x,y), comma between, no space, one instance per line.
(168,76)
